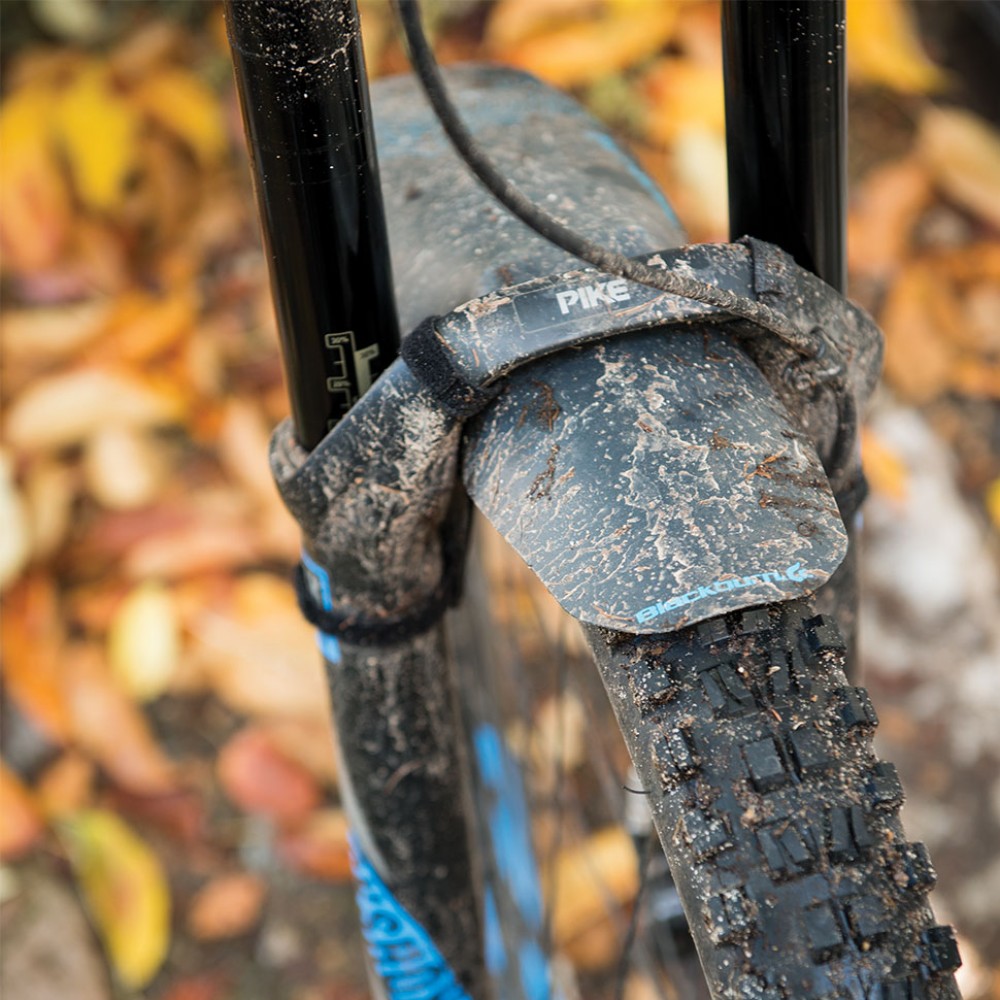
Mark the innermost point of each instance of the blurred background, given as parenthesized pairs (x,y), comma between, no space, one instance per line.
(169,825)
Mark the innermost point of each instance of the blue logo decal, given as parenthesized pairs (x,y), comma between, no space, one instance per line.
(402,953)
(794,573)
(318,582)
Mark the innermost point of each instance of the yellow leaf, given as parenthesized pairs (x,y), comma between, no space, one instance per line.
(146,325)
(35,209)
(143,641)
(125,889)
(511,21)
(993,502)
(98,131)
(885,470)
(683,94)
(883,48)
(589,880)
(582,52)
(962,153)
(179,102)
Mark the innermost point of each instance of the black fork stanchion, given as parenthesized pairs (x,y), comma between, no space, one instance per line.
(301,77)
(786,139)
(786,127)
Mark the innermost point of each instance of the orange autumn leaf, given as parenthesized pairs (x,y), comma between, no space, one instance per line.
(883,47)
(35,205)
(319,847)
(918,357)
(20,819)
(109,727)
(993,502)
(97,130)
(186,108)
(143,325)
(226,907)
(511,21)
(31,641)
(588,881)
(977,378)
(126,892)
(682,94)
(885,470)
(962,153)
(66,786)
(584,51)
(259,778)
(201,986)
(885,207)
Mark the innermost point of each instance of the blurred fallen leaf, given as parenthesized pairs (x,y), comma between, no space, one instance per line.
(511,21)
(35,205)
(227,906)
(993,502)
(976,378)
(243,448)
(918,360)
(590,880)
(67,408)
(885,207)
(202,986)
(126,892)
(261,658)
(66,786)
(886,472)
(110,728)
(144,642)
(179,814)
(32,641)
(884,48)
(50,490)
(153,45)
(699,171)
(97,130)
(143,326)
(308,742)
(15,543)
(962,153)
(80,21)
(55,332)
(123,468)
(182,104)
(682,94)
(258,778)
(583,51)
(319,847)
(21,823)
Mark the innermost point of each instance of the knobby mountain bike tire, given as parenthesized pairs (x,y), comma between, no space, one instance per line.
(780,824)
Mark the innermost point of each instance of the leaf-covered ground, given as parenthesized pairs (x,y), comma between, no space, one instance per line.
(170,826)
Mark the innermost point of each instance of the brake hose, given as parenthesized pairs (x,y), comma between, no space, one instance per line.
(548,227)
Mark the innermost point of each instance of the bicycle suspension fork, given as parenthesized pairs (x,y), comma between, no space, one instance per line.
(302,86)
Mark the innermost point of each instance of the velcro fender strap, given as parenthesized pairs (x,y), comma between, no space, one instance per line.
(354,631)
(429,358)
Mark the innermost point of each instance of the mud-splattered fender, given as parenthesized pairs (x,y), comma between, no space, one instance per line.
(653,481)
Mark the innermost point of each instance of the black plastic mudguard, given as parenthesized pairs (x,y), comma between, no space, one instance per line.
(653,481)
